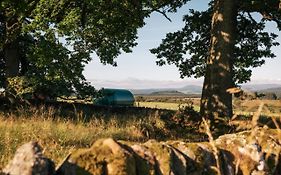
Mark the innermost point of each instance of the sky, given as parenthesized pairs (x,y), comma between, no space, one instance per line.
(138,70)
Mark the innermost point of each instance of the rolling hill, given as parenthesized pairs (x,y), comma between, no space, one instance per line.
(260,87)
(276,91)
(189,89)
(195,89)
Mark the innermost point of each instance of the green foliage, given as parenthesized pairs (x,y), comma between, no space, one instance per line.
(269,9)
(253,45)
(20,86)
(57,37)
(186,116)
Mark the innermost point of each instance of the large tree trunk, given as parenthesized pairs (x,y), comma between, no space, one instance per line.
(12,57)
(216,101)
(12,29)
(11,52)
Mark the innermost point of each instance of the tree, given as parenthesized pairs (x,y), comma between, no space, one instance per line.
(48,42)
(224,42)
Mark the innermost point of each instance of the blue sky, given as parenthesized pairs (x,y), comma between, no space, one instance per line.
(139,70)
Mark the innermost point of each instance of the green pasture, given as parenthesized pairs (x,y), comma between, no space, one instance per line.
(165,105)
(246,111)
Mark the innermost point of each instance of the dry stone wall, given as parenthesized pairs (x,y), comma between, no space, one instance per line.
(29,160)
(248,153)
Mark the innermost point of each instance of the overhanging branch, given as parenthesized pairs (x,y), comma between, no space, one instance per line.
(164,14)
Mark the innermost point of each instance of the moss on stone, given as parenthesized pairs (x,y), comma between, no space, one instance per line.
(246,151)
(145,160)
(162,154)
(104,157)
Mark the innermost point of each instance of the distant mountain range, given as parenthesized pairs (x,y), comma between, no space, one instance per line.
(271,90)
(189,89)
(195,89)
(276,91)
(260,87)
(265,89)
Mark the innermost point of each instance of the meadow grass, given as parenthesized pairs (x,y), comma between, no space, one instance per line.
(59,135)
(59,132)
(165,105)
(245,108)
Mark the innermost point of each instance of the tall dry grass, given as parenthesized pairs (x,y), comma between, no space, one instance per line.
(59,132)
(58,135)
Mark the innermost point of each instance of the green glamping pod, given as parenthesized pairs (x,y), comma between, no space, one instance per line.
(115,97)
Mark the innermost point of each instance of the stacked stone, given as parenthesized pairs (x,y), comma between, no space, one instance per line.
(238,153)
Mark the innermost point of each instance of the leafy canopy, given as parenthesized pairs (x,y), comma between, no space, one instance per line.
(188,48)
(57,37)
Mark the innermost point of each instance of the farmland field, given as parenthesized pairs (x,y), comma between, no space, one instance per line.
(243,107)
(164,105)
(62,130)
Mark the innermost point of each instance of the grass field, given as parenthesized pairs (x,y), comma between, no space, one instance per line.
(60,135)
(164,105)
(59,132)
(240,107)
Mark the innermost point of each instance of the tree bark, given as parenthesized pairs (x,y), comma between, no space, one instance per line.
(12,57)
(216,102)
(11,45)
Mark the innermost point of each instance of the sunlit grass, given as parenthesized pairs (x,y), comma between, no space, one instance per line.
(59,135)
(271,108)
(165,105)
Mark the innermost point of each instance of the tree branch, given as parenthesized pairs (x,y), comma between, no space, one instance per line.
(251,18)
(164,14)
